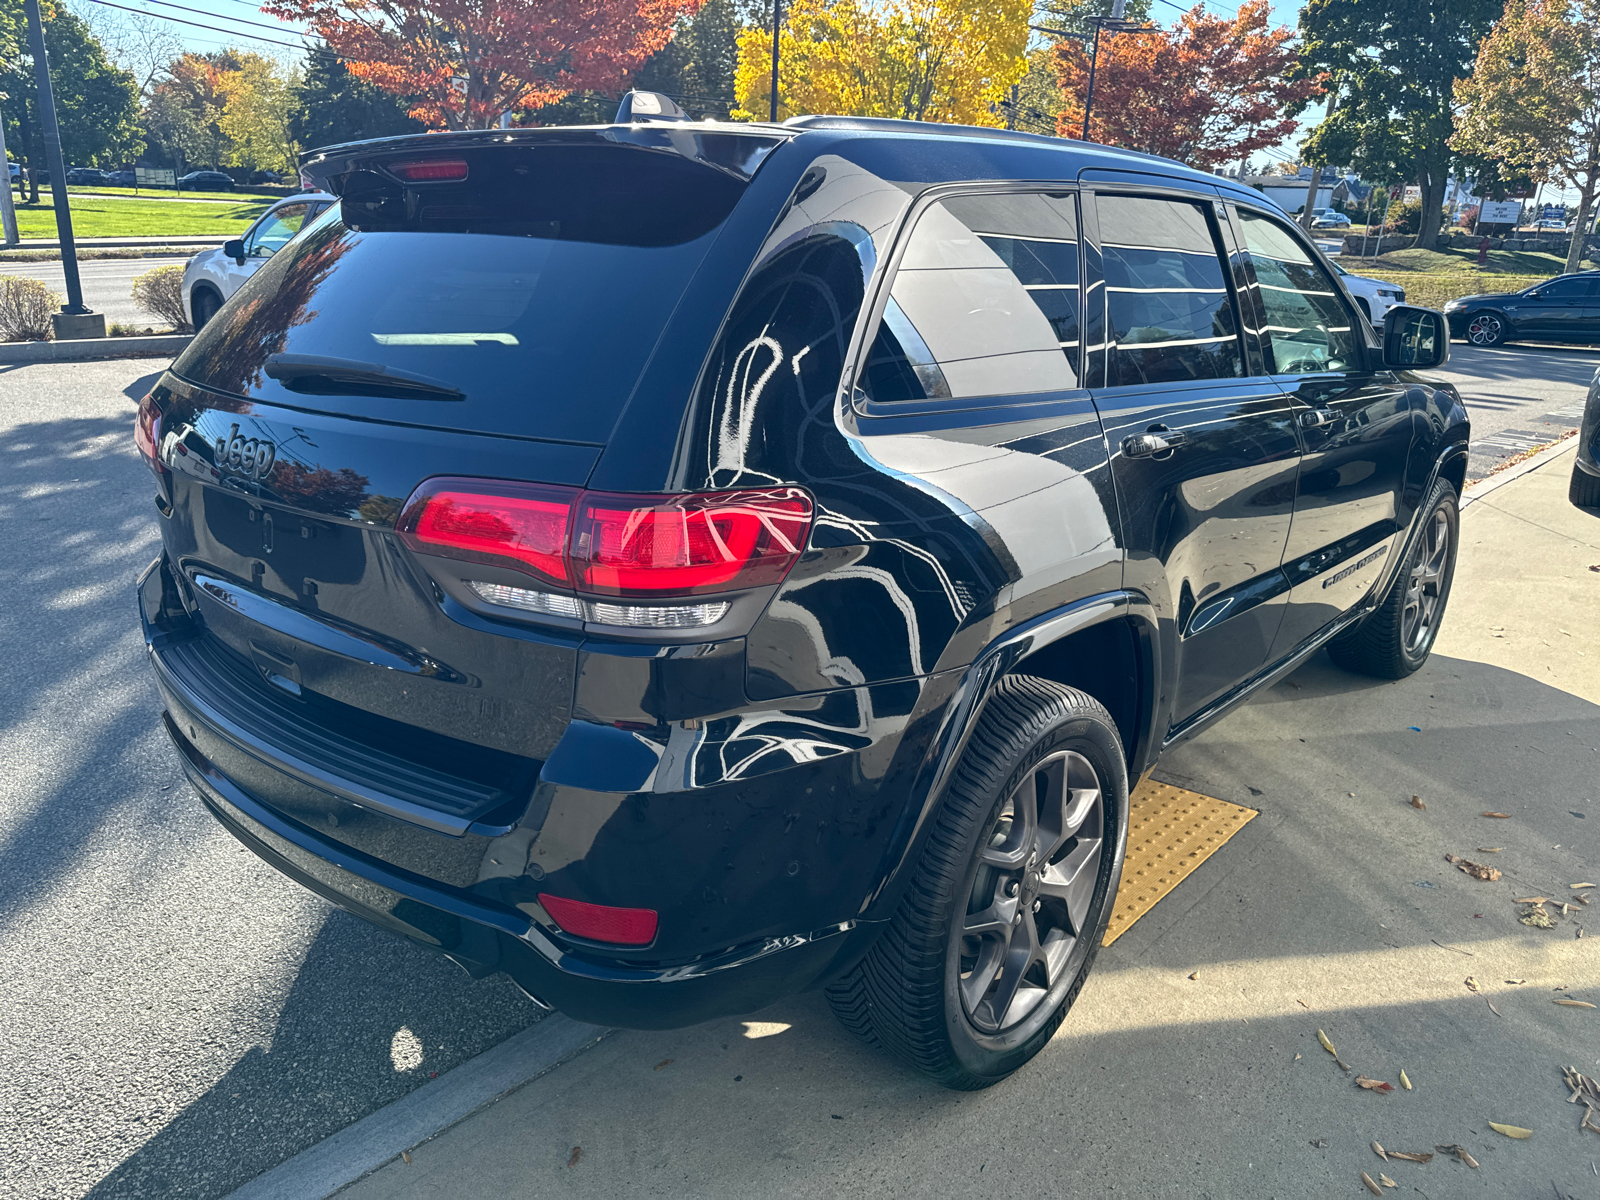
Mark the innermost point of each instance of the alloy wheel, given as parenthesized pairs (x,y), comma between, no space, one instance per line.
(1032,900)
(1424,590)
(1484,330)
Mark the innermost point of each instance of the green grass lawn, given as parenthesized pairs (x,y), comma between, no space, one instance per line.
(148,193)
(1432,277)
(103,217)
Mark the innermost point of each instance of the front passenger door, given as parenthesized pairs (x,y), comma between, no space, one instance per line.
(1355,417)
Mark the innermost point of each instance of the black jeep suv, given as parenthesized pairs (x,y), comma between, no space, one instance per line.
(683,564)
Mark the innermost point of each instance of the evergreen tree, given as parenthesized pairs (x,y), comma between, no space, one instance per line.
(335,106)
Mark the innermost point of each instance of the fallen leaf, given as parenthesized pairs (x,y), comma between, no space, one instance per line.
(1296,1058)
(1533,900)
(1386,1181)
(577,1153)
(1416,802)
(665,1062)
(1502,816)
(1405,1082)
(1492,1008)
(1460,1153)
(406,1157)
(1576,1003)
(1472,984)
(1490,849)
(1372,1185)
(1578,887)
(1477,870)
(1195,975)
(1302,1004)
(1416,1158)
(1516,981)
(1538,918)
(1322,1039)
(1320,1143)
(1378,1150)
(1511,1131)
(1373,1085)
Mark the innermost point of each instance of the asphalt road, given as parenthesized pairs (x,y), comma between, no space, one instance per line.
(1519,397)
(176,1016)
(107,284)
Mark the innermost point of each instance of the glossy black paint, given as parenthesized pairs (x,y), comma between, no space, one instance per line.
(765,788)
(1564,309)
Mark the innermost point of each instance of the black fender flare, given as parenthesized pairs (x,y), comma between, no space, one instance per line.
(966,705)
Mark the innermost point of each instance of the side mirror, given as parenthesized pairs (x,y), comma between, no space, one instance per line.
(1415,338)
(234,250)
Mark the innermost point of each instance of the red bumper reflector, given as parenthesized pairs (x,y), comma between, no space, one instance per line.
(431,170)
(601,923)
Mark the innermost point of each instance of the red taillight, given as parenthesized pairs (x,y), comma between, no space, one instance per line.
(147,434)
(431,170)
(600,922)
(603,544)
(518,525)
(687,545)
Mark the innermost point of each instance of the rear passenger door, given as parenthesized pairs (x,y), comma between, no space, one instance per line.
(1204,447)
(1355,418)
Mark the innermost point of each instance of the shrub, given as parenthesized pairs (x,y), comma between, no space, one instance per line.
(25,309)
(160,293)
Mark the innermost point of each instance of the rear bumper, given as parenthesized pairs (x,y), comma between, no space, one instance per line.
(488,924)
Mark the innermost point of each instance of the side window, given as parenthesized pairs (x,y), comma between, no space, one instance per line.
(1567,289)
(984,302)
(1169,314)
(271,235)
(1308,328)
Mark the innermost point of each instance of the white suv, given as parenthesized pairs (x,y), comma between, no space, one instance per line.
(214,275)
(1374,297)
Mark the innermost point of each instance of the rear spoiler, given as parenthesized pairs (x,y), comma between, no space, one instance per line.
(731,149)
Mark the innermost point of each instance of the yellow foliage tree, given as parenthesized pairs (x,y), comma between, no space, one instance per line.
(258,98)
(920,60)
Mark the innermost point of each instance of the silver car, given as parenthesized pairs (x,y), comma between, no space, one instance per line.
(214,275)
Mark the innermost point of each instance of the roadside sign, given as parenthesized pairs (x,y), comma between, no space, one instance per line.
(1554,212)
(1413,192)
(154,177)
(1499,212)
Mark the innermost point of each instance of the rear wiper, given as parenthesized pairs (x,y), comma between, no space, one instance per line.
(317,375)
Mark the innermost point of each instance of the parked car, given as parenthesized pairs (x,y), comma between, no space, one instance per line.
(1565,308)
(1374,297)
(123,178)
(206,181)
(1328,218)
(1585,488)
(679,565)
(265,177)
(82,176)
(1551,224)
(213,275)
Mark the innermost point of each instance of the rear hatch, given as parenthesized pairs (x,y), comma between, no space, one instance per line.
(478,306)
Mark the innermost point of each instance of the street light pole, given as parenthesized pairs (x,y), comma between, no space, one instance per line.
(8,213)
(74,320)
(777,10)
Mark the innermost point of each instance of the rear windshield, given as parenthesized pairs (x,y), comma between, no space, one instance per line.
(531,294)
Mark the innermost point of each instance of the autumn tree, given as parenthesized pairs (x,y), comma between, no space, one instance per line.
(467,61)
(258,99)
(1533,99)
(183,116)
(1209,91)
(1393,67)
(919,60)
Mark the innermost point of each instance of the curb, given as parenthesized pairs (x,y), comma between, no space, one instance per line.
(1477,491)
(84,349)
(362,1148)
(198,243)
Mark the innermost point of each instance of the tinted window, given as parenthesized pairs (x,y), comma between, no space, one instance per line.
(1308,328)
(1169,315)
(1567,289)
(540,295)
(984,303)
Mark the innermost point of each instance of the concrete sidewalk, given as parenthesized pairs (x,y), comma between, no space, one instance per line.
(1190,1065)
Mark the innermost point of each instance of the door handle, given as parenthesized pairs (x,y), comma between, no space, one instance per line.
(1317,418)
(1148,445)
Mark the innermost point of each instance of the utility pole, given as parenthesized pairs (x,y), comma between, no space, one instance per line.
(8,212)
(1115,23)
(1316,173)
(74,320)
(777,20)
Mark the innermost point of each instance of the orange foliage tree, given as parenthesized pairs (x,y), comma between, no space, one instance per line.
(464,62)
(1207,92)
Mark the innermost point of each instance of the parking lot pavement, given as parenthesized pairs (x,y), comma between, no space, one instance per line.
(1519,396)
(1190,1065)
(176,1016)
(107,284)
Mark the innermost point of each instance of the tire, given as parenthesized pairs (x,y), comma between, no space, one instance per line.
(204,304)
(917,992)
(1584,491)
(1396,638)
(1487,329)
(1366,308)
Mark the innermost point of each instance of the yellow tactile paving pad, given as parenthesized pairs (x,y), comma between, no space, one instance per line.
(1170,833)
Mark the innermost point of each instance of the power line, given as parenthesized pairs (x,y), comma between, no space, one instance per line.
(246,37)
(280,28)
